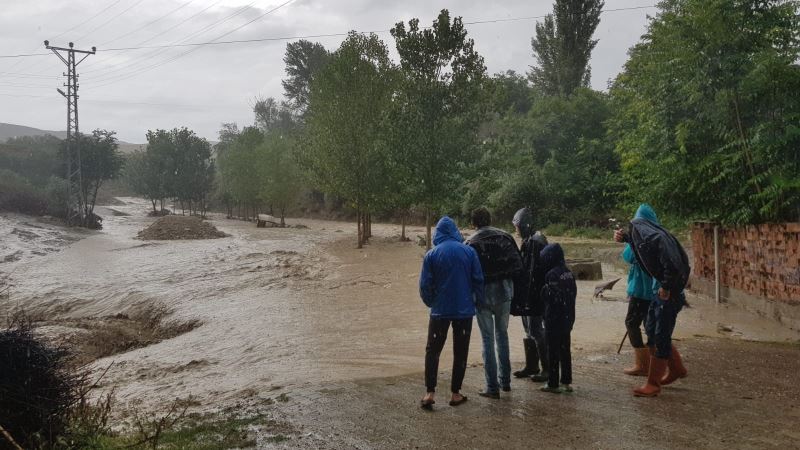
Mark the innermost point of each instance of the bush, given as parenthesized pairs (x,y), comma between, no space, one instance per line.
(18,195)
(37,387)
(43,398)
(57,195)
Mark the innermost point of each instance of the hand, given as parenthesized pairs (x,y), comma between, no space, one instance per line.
(663,294)
(619,235)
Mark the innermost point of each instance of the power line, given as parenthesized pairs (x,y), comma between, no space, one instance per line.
(310,36)
(149,23)
(125,102)
(110,80)
(109,70)
(104,24)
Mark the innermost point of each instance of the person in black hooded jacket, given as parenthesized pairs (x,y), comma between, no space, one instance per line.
(660,255)
(558,295)
(526,301)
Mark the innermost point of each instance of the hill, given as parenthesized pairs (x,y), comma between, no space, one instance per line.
(9,130)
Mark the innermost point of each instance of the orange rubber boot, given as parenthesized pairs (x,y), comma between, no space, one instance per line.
(642,364)
(676,368)
(653,386)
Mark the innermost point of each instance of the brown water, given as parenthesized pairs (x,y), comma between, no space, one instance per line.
(280,307)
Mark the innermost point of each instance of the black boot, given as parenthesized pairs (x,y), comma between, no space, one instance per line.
(531,359)
(544,374)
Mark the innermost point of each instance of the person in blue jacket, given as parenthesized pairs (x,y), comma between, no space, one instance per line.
(640,294)
(450,284)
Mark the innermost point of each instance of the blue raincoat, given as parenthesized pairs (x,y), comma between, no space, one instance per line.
(451,280)
(640,284)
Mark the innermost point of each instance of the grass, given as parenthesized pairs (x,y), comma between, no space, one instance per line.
(561,229)
(205,433)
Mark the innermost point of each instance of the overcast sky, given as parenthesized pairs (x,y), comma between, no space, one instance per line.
(133,91)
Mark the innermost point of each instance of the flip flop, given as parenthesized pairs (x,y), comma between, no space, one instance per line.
(458,402)
(427,405)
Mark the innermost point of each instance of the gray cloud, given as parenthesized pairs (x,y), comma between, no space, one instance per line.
(216,84)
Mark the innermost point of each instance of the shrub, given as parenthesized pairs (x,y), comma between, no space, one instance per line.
(18,195)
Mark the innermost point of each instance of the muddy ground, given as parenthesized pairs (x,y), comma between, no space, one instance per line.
(330,340)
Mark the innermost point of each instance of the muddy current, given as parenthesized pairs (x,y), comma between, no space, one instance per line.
(275,308)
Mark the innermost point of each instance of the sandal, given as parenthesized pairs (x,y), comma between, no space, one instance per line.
(458,402)
(427,404)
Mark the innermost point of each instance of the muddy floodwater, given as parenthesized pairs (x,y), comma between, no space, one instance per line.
(302,312)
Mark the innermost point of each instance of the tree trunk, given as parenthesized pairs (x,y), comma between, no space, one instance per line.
(403,227)
(283,216)
(359,229)
(154,202)
(428,229)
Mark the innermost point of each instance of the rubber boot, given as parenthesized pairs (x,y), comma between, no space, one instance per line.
(544,375)
(675,367)
(642,363)
(653,386)
(531,359)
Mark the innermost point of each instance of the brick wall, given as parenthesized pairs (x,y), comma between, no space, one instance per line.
(761,260)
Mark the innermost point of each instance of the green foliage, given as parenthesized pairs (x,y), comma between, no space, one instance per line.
(176,164)
(343,149)
(33,157)
(563,46)
(555,159)
(279,177)
(436,111)
(303,60)
(17,194)
(100,162)
(706,111)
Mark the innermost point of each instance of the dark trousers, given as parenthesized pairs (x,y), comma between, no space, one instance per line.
(637,313)
(559,355)
(437,335)
(660,324)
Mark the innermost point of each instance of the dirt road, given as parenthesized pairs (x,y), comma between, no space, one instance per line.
(340,333)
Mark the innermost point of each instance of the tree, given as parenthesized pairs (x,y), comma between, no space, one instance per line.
(343,149)
(563,46)
(279,174)
(436,110)
(100,161)
(303,59)
(706,107)
(271,114)
(143,179)
(239,170)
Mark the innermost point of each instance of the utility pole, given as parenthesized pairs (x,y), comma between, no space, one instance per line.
(76,203)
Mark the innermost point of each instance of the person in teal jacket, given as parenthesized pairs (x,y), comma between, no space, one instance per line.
(640,294)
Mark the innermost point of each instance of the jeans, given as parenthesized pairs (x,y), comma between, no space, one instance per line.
(493,323)
(660,324)
(558,351)
(637,312)
(534,329)
(437,335)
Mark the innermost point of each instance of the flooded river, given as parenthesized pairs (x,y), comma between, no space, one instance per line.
(278,308)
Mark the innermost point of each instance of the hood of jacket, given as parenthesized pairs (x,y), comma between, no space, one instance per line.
(446,230)
(647,213)
(552,256)
(523,219)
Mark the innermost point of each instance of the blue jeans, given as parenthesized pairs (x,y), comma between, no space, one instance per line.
(493,323)
(660,324)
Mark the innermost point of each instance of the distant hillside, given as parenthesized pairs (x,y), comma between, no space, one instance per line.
(9,130)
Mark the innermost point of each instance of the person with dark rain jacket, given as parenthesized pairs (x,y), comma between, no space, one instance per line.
(662,257)
(640,294)
(450,284)
(501,263)
(526,298)
(558,295)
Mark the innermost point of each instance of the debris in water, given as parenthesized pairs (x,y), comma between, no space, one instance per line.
(180,227)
